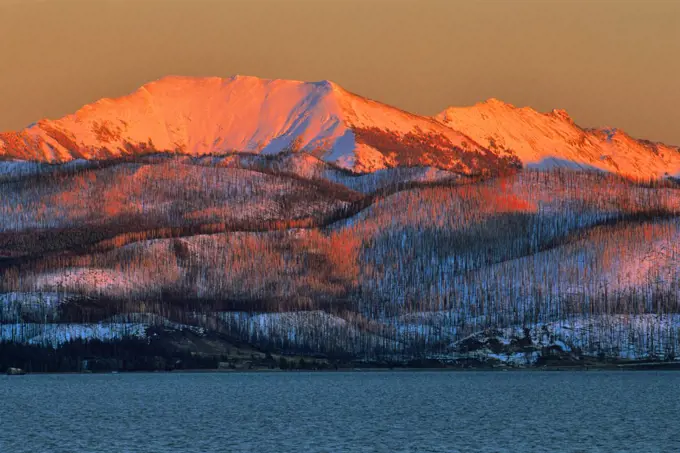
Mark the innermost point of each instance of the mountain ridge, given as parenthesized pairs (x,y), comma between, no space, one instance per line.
(199,116)
(212,115)
(553,138)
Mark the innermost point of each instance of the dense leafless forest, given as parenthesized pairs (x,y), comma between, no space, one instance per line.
(291,255)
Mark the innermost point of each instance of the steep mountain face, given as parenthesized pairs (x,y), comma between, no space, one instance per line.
(199,116)
(545,140)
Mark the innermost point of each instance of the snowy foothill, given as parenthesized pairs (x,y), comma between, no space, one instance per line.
(55,334)
(623,337)
(11,170)
(620,337)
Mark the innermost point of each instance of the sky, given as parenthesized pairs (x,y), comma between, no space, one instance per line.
(608,63)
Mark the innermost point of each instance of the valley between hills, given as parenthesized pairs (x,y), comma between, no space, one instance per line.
(246,223)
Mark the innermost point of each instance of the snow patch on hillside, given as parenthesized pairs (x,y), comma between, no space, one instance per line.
(57,334)
(627,337)
(132,325)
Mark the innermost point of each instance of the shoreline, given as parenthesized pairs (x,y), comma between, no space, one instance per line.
(648,366)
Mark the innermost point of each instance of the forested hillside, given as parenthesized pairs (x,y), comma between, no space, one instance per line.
(290,254)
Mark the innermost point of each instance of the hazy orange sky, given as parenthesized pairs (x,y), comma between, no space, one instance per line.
(609,63)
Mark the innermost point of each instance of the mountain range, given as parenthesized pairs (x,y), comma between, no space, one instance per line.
(215,116)
(204,222)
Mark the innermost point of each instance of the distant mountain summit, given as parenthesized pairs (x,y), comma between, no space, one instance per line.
(216,116)
(200,116)
(546,140)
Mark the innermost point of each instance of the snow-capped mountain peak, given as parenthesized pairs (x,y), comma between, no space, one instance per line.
(543,140)
(212,115)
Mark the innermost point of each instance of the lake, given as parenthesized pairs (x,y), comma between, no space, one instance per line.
(402,411)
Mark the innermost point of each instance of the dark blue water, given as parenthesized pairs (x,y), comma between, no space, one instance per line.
(342,412)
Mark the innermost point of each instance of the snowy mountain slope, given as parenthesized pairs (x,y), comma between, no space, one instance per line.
(199,116)
(543,140)
(215,116)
